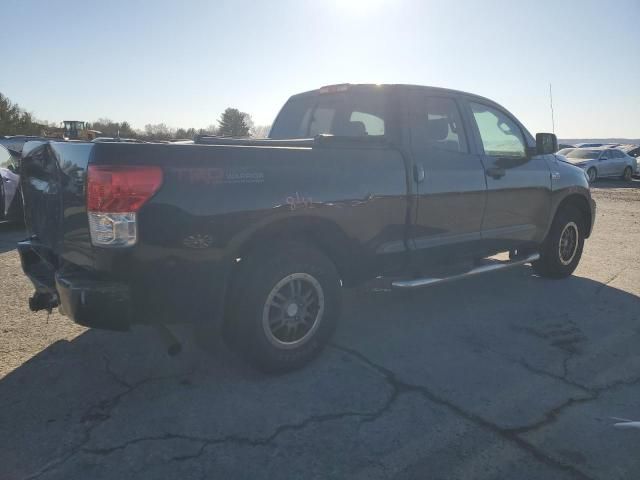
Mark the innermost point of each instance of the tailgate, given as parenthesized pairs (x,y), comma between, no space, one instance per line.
(53,185)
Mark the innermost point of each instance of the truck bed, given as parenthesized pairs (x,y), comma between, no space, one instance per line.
(216,201)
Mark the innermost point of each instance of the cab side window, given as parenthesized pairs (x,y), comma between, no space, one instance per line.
(437,124)
(372,124)
(500,135)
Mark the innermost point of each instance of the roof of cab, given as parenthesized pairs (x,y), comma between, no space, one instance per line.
(396,86)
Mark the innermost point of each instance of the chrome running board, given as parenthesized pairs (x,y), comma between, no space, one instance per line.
(490,267)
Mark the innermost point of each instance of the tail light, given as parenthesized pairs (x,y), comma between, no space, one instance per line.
(342,87)
(115,193)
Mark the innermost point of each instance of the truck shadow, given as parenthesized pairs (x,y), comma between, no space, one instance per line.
(87,400)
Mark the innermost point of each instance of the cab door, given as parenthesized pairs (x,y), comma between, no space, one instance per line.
(449,179)
(618,163)
(518,181)
(606,165)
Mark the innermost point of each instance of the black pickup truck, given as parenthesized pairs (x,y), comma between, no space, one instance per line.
(252,240)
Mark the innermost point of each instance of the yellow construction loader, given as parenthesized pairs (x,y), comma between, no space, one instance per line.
(72,130)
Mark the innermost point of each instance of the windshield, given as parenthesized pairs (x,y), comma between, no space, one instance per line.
(565,151)
(351,113)
(584,154)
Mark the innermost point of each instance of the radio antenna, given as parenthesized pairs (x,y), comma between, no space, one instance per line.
(553,122)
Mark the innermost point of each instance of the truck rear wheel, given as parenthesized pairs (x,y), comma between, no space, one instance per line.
(287,307)
(562,249)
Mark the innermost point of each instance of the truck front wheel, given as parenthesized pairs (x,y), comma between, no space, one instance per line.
(562,249)
(287,307)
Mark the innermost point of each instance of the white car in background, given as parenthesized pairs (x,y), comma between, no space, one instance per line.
(10,204)
(564,151)
(633,151)
(603,162)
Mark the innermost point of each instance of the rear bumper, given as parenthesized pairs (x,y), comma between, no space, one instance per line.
(86,300)
(94,303)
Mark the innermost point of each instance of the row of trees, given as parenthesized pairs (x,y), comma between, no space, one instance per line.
(15,121)
(232,123)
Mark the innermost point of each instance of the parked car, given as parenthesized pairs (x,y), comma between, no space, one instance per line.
(564,151)
(564,145)
(603,162)
(254,239)
(14,143)
(634,151)
(10,199)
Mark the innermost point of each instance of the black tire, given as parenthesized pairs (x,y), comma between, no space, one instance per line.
(592,173)
(627,174)
(560,260)
(250,321)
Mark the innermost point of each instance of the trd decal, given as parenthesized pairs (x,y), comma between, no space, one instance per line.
(217,176)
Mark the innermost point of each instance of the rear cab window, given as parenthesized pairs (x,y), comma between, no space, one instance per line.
(436,123)
(354,112)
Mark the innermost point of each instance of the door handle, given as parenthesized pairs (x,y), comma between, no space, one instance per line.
(418,172)
(496,172)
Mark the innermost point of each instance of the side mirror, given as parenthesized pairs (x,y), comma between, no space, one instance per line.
(546,143)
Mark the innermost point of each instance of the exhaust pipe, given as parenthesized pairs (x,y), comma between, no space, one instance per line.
(43,301)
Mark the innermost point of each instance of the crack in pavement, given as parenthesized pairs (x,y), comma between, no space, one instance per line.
(561,378)
(98,413)
(401,387)
(250,441)
(593,393)
(565,364)
(101,411)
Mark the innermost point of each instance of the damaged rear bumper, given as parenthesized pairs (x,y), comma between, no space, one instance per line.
(87,300)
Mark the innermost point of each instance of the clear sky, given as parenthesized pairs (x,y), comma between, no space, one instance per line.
(182,62)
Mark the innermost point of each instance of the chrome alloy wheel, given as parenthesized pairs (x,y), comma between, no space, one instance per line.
(293,310)
(568,245)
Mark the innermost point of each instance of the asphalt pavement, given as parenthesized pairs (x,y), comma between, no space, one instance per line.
(501,376)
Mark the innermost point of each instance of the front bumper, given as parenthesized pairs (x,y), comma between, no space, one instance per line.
(86,300)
